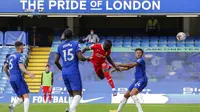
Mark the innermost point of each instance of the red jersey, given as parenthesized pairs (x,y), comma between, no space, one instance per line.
(99,55)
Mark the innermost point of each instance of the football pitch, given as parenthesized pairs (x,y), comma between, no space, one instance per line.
(107,107)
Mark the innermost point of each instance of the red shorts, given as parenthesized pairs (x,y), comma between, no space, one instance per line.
(46,89)
(99,69)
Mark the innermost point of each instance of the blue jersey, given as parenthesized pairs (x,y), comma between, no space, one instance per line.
(140,70)
(13,61)
(68,52)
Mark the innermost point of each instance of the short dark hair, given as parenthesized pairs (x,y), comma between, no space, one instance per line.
(139,49)
(108,42)
(18,43)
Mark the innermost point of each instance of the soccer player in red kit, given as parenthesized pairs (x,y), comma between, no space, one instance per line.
(98,59)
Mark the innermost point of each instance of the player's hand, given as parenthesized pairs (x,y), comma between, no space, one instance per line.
(31,75)
(88,58)
(118,69)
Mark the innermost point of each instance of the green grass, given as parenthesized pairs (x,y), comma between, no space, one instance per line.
(106,108)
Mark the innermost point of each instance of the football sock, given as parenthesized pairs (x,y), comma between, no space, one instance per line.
(109,78)
(70,100)
(76,100)
(122,103)
(17,102)
(26,104)
(137,103)
(45,97)
(50,97)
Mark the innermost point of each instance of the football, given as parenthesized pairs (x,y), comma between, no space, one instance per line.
(181,36)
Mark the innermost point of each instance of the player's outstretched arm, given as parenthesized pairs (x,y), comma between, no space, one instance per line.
(5,68)
(112,63)
(81,57)
(57,62)
(130,65)
(23,69)
(85,49)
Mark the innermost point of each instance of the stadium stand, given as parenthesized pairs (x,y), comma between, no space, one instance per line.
(38,59)
(145,41)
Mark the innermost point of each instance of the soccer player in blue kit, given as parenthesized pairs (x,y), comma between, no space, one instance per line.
(140,82)
(70,53)
(14,68)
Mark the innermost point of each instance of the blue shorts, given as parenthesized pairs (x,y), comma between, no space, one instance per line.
(72,82)
(139,84)
(20,87)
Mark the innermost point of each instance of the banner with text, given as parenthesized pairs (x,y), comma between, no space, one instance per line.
(100,6)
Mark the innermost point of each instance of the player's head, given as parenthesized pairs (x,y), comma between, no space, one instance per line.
(91,31)
(19,46)
(47,68)
(67,34)
(107,45)
(139,53)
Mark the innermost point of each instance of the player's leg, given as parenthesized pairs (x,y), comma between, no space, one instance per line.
(69,89)
(24,91)
(123,101)
(126,96)
(17,101)
(76,100)
(76,85)
(49,92)
(138,87)
(105,69)
(44,89)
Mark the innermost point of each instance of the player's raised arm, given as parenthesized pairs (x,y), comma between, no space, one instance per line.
(81,57)
(79,53)
(85,49)
(129,65)
(112,63)
(5,68)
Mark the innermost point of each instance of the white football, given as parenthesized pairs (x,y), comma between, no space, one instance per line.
(181,36)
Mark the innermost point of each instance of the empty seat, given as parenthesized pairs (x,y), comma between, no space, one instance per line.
(197,44)
(154,44)
(180,44)
(171,45)
(117,44)
(162,44)
(154,39)
(144,44)
(127,44)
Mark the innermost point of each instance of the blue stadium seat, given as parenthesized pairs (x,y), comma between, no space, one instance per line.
(153,44)
(135,44)
(119,41)
(145,41)
(136,40)
(145,38)
(154,38)
(180,44)
(197,44)
(171,45)
(128,38)
(127,44)
(117,44)
(3,82)
(9,92)
(162,45)
(144,44)
(189,45)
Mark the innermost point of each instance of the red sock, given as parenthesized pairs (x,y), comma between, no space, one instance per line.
(45,97)
(109,78)
(50,97)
